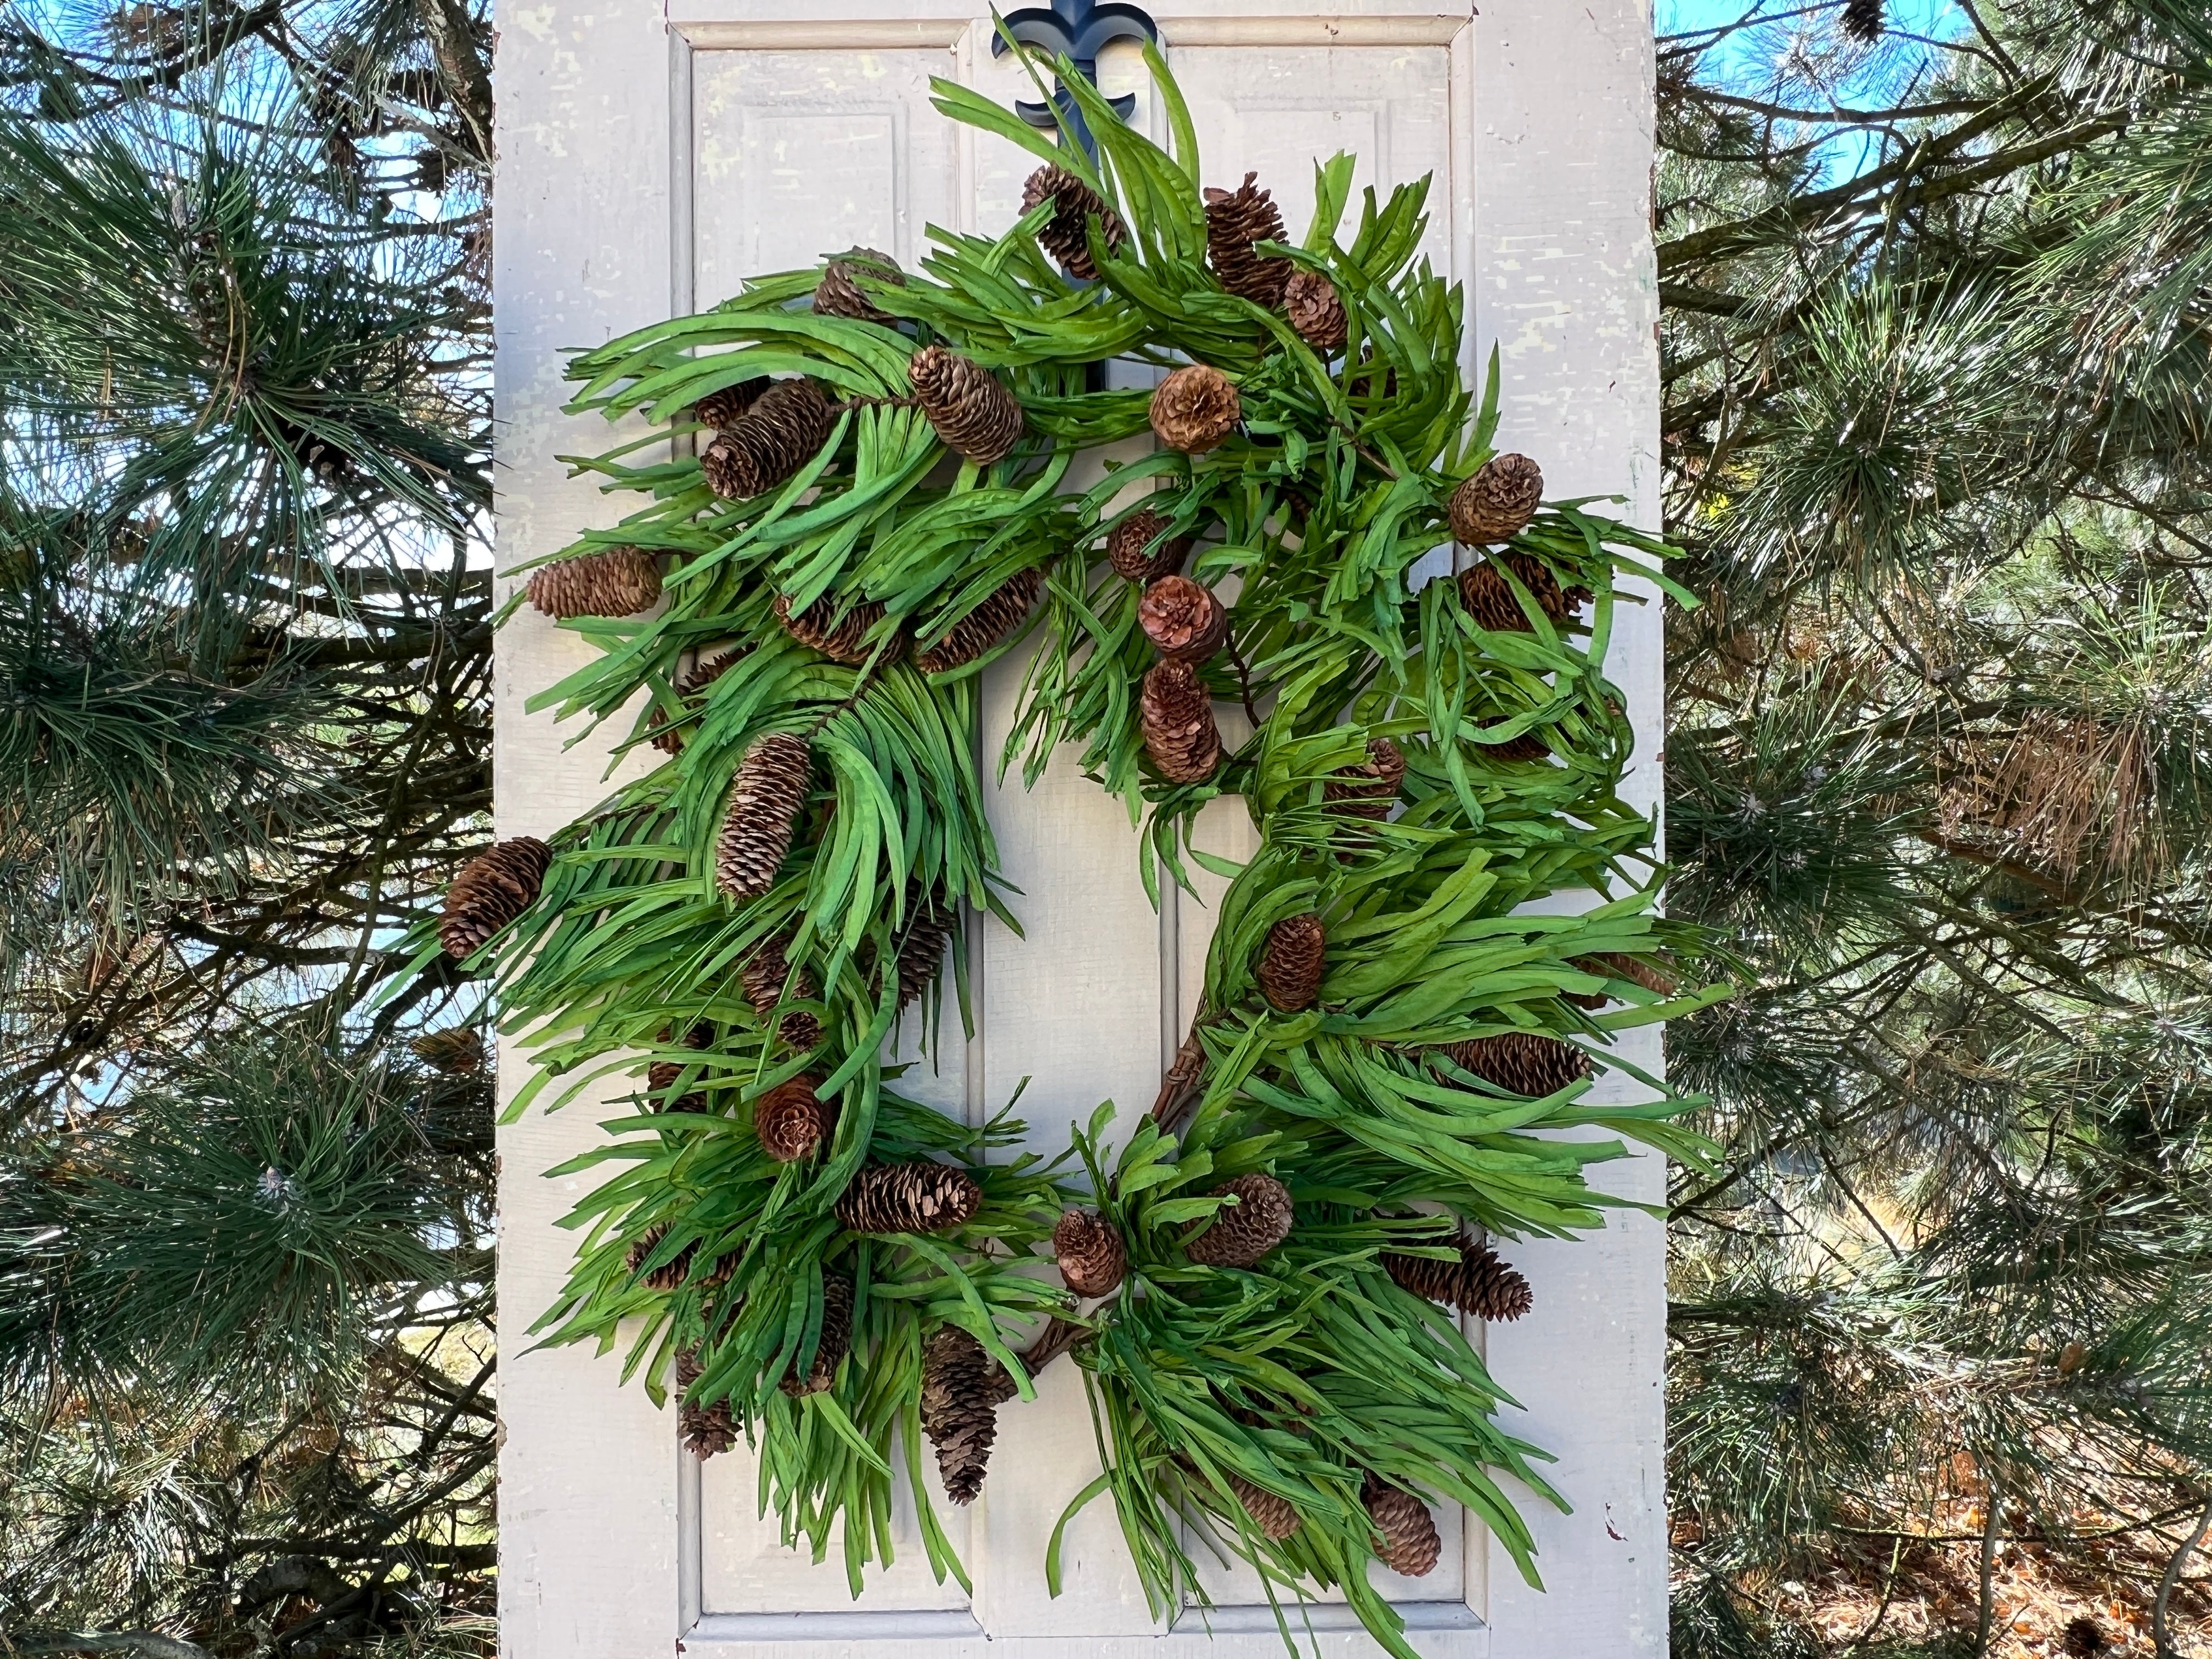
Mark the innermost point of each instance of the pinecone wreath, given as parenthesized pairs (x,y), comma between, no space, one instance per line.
(1065,236)
(720,410)
(1409,1545)
(1176,716)
(662,1076)
(708,1431)
(833,1344)
(669,739)
(1317,311)
(1134,548)
(1478,1283)
(1238,1234)
(1235,220)
(909,1198)
(986,628)
(1291,963)
(783,430)
(1370,789)
(1491,600)
(962,1389)
(842,638)
(977,418)
(494,888)
(929,927)
(838,295)
(771,786)
(794,1122)
(1182,619)
(1093,1260)
(767,980)
(1497,501)
(1276,1518)
(619,582)
(1523,1062)
(1195,408)
(1863,19)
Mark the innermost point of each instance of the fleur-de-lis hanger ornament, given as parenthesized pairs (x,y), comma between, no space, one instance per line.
(1077,30)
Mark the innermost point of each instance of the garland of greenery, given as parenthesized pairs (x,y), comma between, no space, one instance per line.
(1289,1406)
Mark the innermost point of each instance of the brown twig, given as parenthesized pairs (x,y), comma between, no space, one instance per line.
(1058,1338)
(1180,1080)
(1244,678)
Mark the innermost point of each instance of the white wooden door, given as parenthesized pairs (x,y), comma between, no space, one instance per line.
(651,152)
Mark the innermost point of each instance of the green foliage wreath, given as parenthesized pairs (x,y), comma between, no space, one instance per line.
(1389,1031)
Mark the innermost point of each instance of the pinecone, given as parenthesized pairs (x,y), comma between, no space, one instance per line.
(2084,1638)
(1235,220)
(1239,1234)
(1493,605)
(721,410)
(765,797)
(1370,789)
(458,1051)
(909,1198)
(1093,1260)
(619,582)
(929,926)
(1520,1062)
(672,1274)
(842,639)
(987,626)
(494,888)
(669,740)
(763,980)
(833,1344)
(660,1078)
(1526,747)
(1863,21)
(1182,619)
(1496,503)
(962,1389)
(977,418)
(1175,715)
(783,430)
(1409,1546)
(708,1431)
(1611,964)
(1291,963)
(1276,1518)
(1129,548)
(793,1121)
(1065,235)
(1195,408)
(838,295)
(1478,1283)
(1317,311)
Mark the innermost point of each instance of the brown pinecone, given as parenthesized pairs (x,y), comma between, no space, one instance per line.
(660,1078)
(1093,1260)
(842,639)
(783,430)
(619,582)
(1526,747)
(763,980)
(1195,408)
(2084,1638)
(671,1275)
(1175,715)
(793,1121)
(1235,220)
(1065,235)
(838,295)
(909,1198)
(1478,1283)
(1493,605)
(962,1389)
(1182,619)
(1409,1546)
(975,414)
(1611,964)
(1522,1061)
(765,797)
(1239,1234)
(1291,963)
(721,410)
(494,888)
(1276,1518)
(669,740)
(1497,501)
(458,1051)
(1317,311)
(987,626)
(835,1343)
(1370,789)
(929,926)
(1129,550)
(708,1431)
(1863,21)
